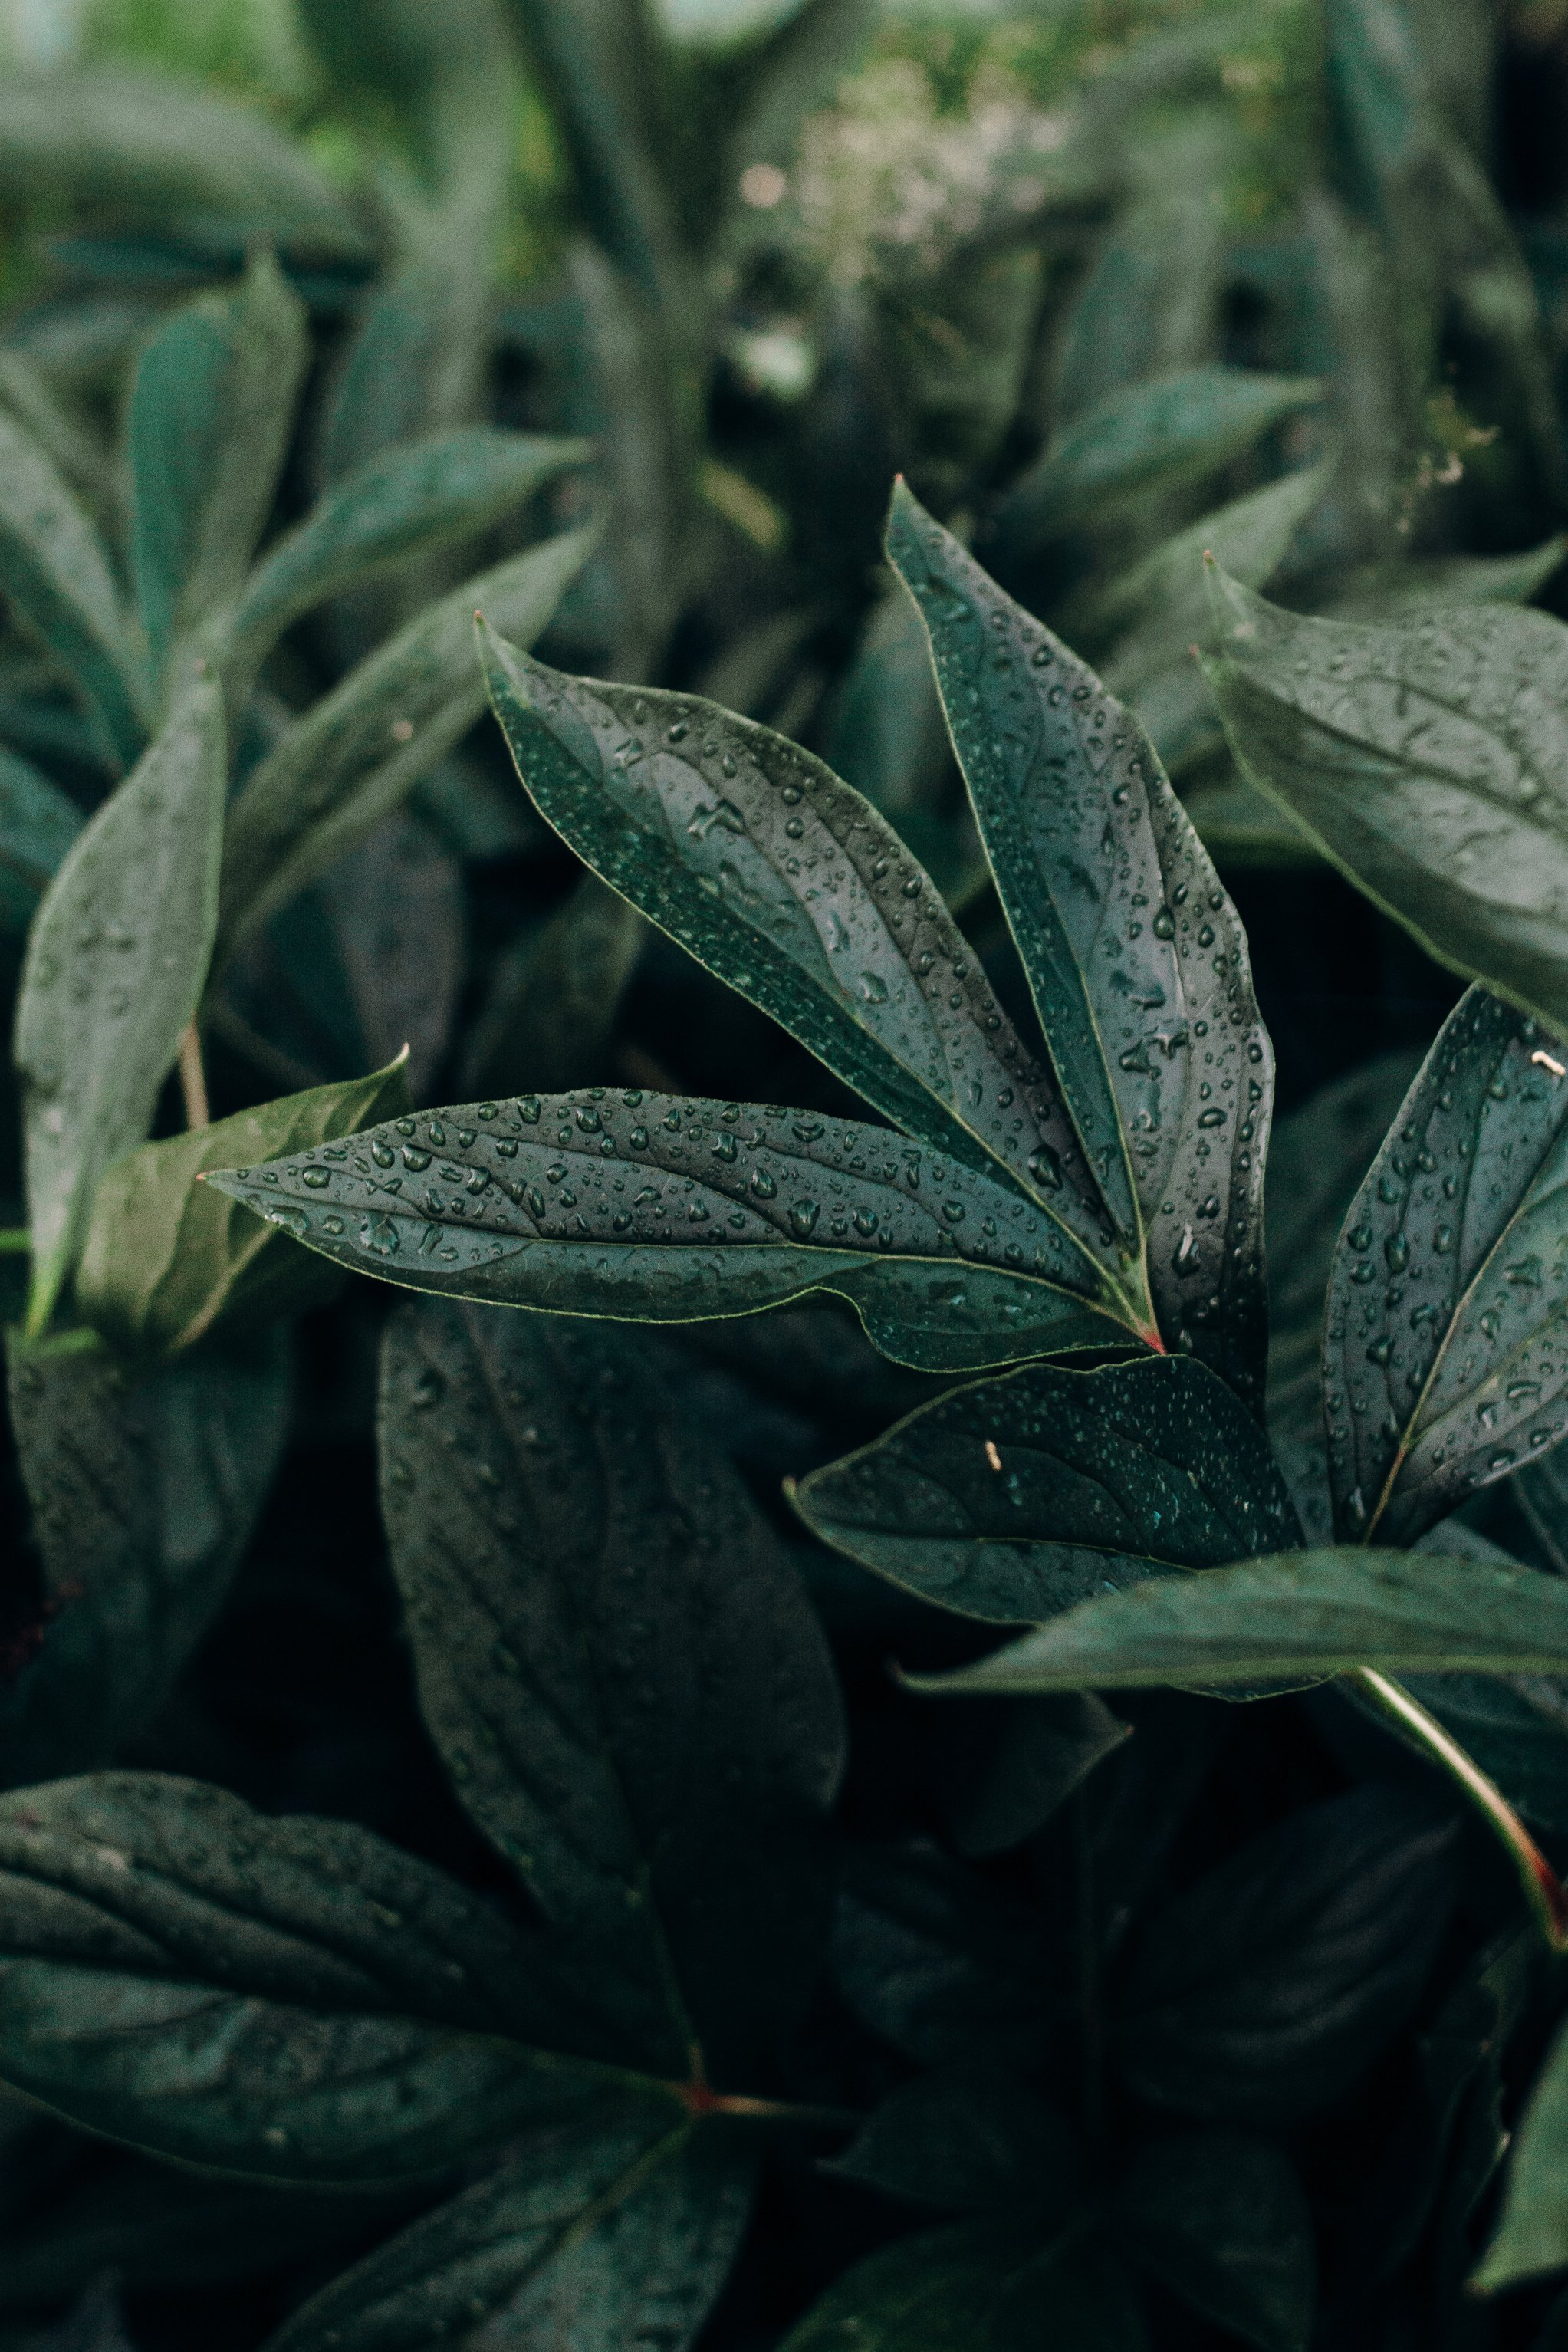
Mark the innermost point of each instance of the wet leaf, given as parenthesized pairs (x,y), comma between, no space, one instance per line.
(1302,1615)
(1135,954)
(984,2287)
(54,574)
(621,1670)
(785,883)
(143,1493)
(212,408)
(611,2231)
(116,962)
(1442,1363)
(669,1210)
(292,2000)
(1260,1993)
(355,755)
(1013,1499)
(167,1257)
(1222,2219)
(1425,759)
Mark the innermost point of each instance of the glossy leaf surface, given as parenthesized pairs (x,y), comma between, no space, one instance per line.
(167,1256)
(116,962)
(615,2231)
(621,1670)
(784,882)
(1426,760)
(1308,1614)
(211,412)
(1016,1499)
(1135,954)
(1445,1362)
(669,1210)
(291,1999)
(362,748)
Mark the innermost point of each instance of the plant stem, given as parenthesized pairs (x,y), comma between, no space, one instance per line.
(14,1237)
(1544,1890)
(193,1080)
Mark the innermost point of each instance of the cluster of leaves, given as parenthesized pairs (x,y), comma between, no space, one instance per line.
(467,1872)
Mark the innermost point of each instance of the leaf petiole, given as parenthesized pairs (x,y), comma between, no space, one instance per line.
(1544,1890)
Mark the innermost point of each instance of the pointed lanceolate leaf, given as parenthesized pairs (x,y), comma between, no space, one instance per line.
(167,1256)
(116,962)
(986,2286)
(1222,2219)
(1018,1497)
(55,573)
(614,2232)
(621,1667)
(405,503)
(363,747)
(784,881)
(1309,1615)
(1532,2235)
(666,1210)
(292,2000)
(1426,760)
(211,412)
(1444,1363)
(143,1493)
(1135,955)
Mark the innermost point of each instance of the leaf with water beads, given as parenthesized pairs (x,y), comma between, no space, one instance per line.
(1014,1499)
(666,1210)
(1446,1350)
(1136,956)
(781,879)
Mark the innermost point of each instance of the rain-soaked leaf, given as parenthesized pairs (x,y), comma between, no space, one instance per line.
(54,574)
(1016,1499)
(116,962)
(167,1257)
(783,880)
(1135,954)
(1426,759)
(617,2230)
(143,1493)
(667,1209)
(621,1670)
(1446,1353)
(211,412)
(1298,1616)
(360,750)
(289,1999)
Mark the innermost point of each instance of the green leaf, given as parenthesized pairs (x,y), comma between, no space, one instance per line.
(1013,1499)
(1441,1366)
(635,1699)
(116,962)
(1003,1772)
(54,574)
(972,2138)
(38,826)
(1516,1728)
(784,882)
(1533,2234)
(1425,759)
(1222,2219)
(947,1964)
(1260,1994)
(614,2231)
(1306,1614)
(291,2000)
(212,409)
(358,750)
(668,1210)
(1156,436)
(149,143)
(143,1494)
(556,996)
(393,507)
(167,1257)
(1136,957)
(1388,591)
(980,2286)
